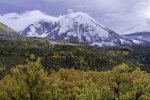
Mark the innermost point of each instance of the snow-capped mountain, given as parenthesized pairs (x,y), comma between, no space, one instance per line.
(75,27)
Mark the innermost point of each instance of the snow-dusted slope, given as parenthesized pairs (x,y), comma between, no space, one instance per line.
(41,28)
(76,27)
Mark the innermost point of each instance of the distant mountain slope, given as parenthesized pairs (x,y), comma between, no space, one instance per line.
(142,27)
(5,31)
(75,27)
(144,36)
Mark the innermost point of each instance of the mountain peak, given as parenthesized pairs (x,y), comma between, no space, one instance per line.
(81,17)
(76,27)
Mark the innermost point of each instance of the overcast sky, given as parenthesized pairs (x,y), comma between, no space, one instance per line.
(119,15)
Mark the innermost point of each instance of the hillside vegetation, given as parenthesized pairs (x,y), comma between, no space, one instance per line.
(32,82)
(33,69)
(82,57)
(5,31)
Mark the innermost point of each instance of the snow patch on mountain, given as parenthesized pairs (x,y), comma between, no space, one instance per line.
(137,41)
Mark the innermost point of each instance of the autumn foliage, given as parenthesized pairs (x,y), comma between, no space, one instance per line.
(33,82)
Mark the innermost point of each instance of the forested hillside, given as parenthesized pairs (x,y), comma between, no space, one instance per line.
(81,56)
(32,82)
(34,69)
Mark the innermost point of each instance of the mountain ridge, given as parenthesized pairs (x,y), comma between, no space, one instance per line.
(75,27)
(6,31)
(143,36)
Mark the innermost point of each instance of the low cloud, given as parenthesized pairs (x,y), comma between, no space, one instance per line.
(19,21)
(70,11)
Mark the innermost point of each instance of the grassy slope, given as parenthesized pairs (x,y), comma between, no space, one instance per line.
(6,30)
